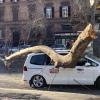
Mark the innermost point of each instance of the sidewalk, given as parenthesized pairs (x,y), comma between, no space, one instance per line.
(22,94)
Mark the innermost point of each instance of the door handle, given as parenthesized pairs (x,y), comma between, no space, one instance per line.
(80,69)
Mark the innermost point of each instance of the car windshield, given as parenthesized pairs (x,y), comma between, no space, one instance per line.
(83,61)
(92,63)
(58,46)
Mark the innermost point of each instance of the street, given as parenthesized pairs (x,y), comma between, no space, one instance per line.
(13,88)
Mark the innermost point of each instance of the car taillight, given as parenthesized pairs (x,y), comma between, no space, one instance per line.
(25,68)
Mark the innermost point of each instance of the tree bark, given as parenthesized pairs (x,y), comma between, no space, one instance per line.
(70,59)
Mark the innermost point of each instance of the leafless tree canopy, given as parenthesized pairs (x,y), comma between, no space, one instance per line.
(68,60)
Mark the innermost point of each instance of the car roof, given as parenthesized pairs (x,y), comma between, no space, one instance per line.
(65,52)
(58,51)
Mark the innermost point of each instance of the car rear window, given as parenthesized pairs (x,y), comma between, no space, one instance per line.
(38,59)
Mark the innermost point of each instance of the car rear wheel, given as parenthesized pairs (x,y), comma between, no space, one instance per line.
(37,81)
(97,83)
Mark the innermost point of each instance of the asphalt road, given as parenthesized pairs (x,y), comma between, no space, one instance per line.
(13,88)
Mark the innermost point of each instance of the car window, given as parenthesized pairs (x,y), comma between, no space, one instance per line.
(63,54)
(49,61)
(86,62)
(38,59)
(81,62)
(92,64)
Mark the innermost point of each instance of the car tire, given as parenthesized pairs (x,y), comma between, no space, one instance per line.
(97,83)
(37,81)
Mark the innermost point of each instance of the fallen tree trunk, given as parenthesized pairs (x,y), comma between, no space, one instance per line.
(70,59)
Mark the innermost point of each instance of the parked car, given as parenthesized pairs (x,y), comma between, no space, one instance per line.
(24,46)
(59,47)
(37,71)
(13,49)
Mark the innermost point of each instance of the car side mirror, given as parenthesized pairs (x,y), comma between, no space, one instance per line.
(87,64)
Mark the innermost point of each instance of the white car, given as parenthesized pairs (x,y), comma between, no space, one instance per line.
(59,47)
(37,71)
(13,49)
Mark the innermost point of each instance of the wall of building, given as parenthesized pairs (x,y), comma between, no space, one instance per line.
(96,43)
(19,19)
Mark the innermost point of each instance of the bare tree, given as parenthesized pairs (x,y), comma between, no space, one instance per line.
(38,32)
(70,59)
(84,12)
(36,24)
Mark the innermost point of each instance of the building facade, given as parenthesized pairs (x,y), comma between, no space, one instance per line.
(97,15)
(96,46)
(27,21)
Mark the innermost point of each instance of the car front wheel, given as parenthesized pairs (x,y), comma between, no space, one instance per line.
(97,83)
(37,81)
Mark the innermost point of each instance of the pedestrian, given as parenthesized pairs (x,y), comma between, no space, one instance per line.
(67,44)
(72,42)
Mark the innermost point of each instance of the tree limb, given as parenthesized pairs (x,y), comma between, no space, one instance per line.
(70,59)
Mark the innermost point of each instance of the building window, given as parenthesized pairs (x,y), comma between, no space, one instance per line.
(98,5)
(0,34)
(14,1)
(67,28)
(49,12)
(15,10)
(64,11)
(1,1)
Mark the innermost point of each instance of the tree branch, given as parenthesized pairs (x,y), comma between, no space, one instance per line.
(70,59)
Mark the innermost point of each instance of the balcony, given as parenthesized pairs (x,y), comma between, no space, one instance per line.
(70,19)
(22,22)
(58,20)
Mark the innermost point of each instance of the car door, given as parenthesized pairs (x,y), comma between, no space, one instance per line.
(63,76)
(84,73)
(81,74)
(37,64)
(46,71)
